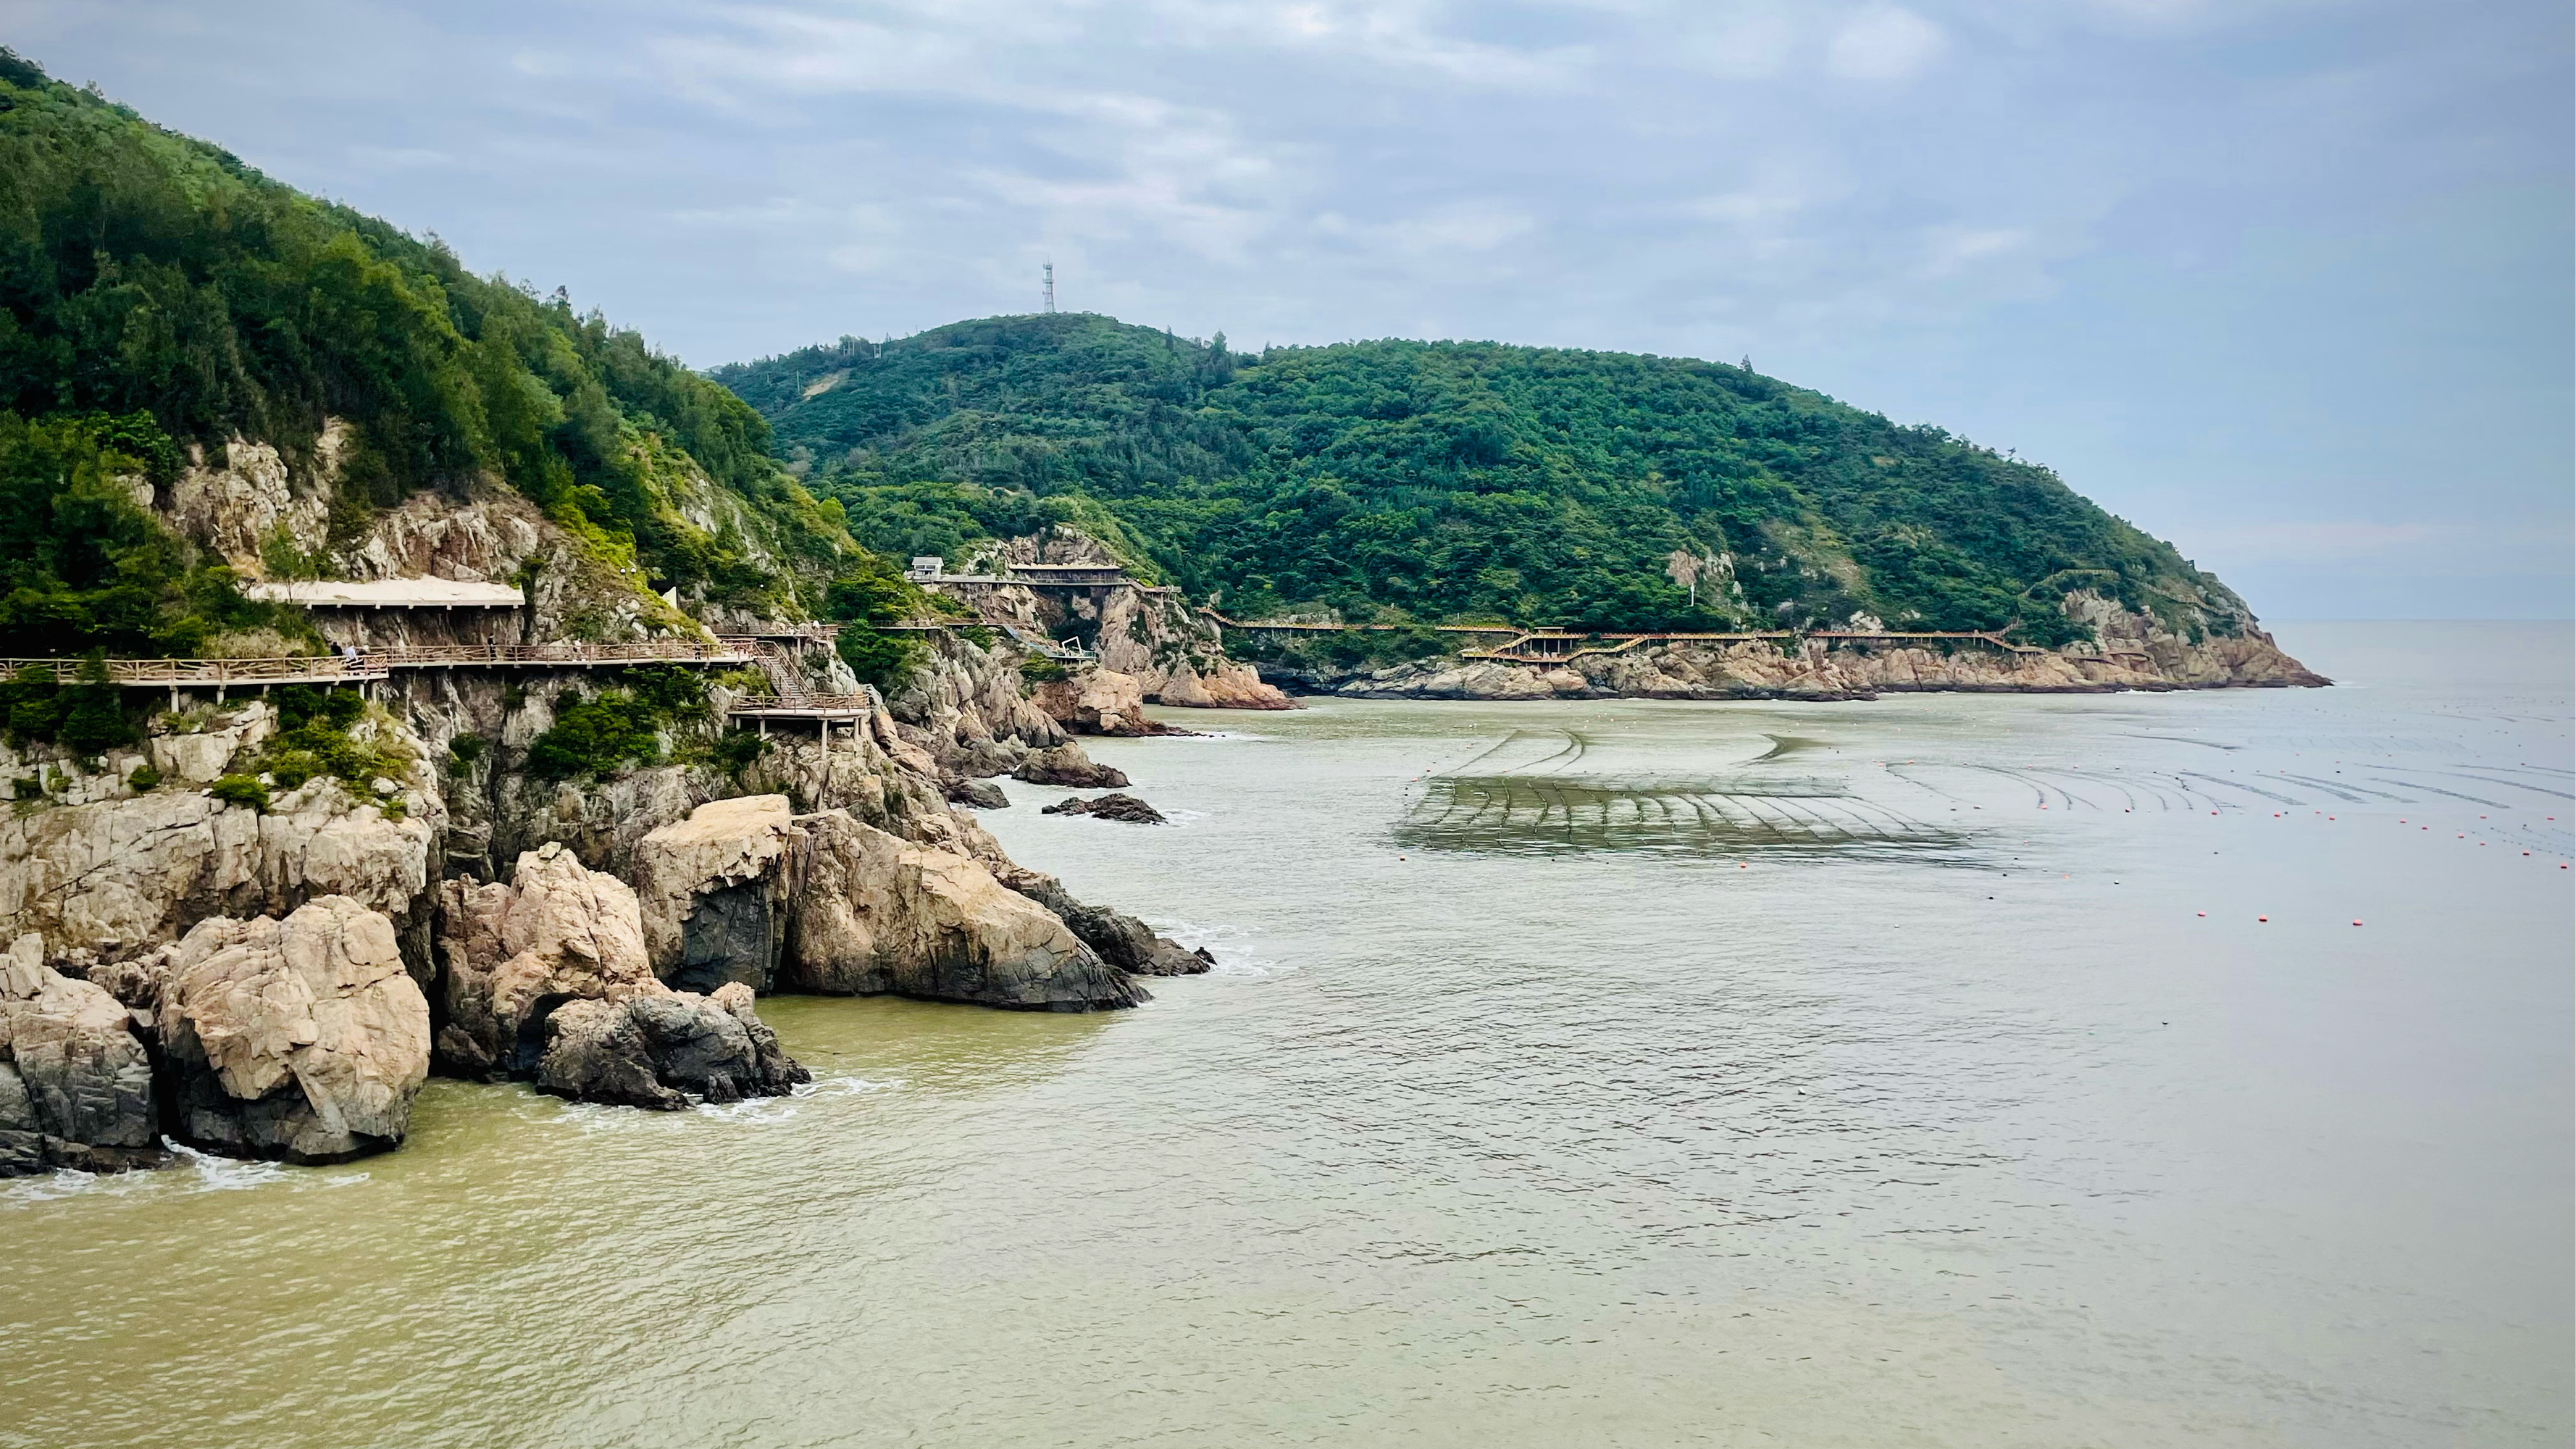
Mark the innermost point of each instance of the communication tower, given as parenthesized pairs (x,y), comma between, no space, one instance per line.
(1050,286)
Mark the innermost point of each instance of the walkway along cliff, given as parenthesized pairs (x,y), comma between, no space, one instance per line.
(568,841)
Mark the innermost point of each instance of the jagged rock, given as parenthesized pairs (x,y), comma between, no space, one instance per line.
(659,1050)
(512,953)
(548,978)
(301,1039)
(872,914)
(982,794)
(1068,766)
(1109,807)
(75,1083)
(1121,940)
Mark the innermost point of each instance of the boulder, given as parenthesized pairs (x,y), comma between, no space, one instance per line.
(75,1083)
(982,794)
(509,954)
(872,913)
(1112,806)
(660,1050)
(300,1039)
(1068,766)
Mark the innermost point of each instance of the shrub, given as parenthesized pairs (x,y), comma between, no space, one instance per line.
(1042,671)
(144,780)
(462,752)
(314,739)
(884,660)
(735,751)
(594,737)
(240,790)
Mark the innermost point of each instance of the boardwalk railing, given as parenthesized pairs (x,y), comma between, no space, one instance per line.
(374,664)
(210,673)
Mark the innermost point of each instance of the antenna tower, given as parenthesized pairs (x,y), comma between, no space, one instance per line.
(1050,286)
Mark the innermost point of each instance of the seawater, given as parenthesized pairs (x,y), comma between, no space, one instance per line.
(1975,1070)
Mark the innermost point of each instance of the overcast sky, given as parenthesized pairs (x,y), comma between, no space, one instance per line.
(2285,281)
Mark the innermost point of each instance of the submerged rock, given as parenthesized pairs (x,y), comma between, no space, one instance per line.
(75,1082)
(1066,765)
(1112,806)
(300,1039)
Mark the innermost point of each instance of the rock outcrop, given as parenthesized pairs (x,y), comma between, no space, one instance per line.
(300,1039)
(1097,702)
(745,891)
(75,1081)
(659,1051)
(1112,806)
(119,872)
(1067,766)
(548,979)
(1121,940)
(510,954)
(874,915)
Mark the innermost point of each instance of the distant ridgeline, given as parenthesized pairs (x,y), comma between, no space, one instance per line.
(159,299)
(1454,481)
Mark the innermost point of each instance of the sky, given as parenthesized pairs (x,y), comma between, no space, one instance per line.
(2287,282)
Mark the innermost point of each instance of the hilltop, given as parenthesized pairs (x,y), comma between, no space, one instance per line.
(1456,480)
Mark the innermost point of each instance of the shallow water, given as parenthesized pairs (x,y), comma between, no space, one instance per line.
(1623,1073)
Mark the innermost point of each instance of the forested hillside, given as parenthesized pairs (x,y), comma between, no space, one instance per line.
(1441,481)
(158,296)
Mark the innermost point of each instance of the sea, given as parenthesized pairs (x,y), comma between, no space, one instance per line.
(1981,1070)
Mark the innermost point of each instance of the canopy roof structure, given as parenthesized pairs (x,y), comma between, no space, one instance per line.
(389,594)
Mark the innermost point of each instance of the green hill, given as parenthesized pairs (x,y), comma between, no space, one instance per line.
(158,296)
(1448,481)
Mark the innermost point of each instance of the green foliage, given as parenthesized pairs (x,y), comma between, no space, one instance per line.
(619,728)
(143,779)
(595,737)
(735,750)
(83,567)
(462,752)
(315,738)
(1042,671)
(884,660)
(1447,481)
(86,717)
(155,291)
(240,790)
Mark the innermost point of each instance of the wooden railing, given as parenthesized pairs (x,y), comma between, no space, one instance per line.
(187,673)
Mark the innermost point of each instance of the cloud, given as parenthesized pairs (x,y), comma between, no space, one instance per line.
(1884,44)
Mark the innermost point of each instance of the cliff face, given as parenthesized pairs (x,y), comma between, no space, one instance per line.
(1150,635)
(2133,653)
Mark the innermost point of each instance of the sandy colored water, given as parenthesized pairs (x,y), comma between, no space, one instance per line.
(1606,1074)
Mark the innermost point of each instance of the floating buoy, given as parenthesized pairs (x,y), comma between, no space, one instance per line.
(2200,913)
(2263,918)
(2356,923)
